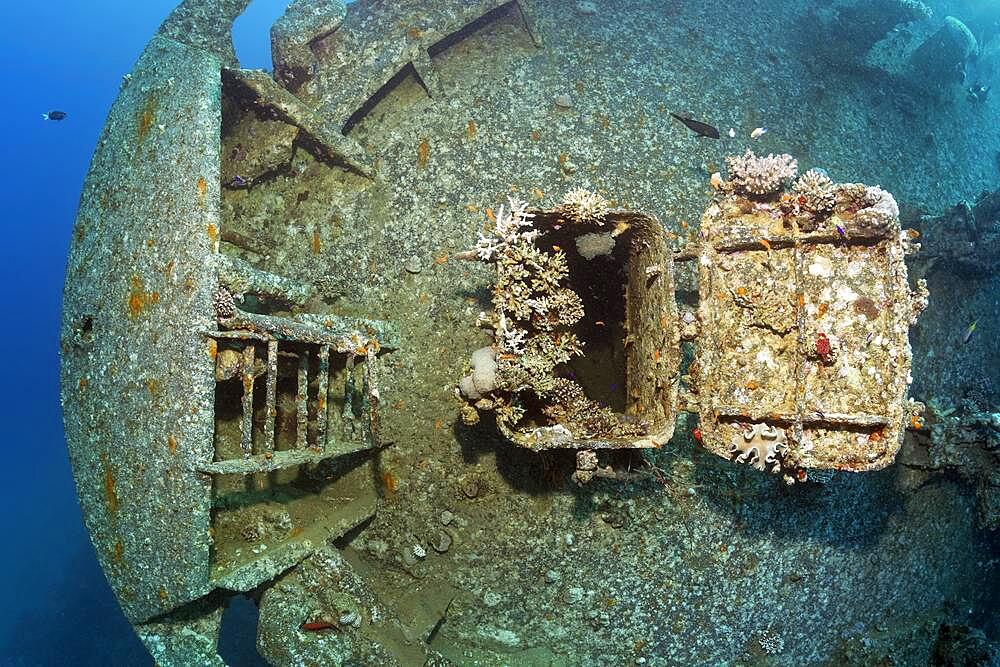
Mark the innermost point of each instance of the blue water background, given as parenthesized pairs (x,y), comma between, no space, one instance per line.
(55,606)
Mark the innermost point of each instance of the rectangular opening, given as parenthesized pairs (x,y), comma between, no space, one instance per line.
(290,448)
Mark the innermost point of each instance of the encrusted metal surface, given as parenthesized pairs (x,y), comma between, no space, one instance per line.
(696,547)
(137,374)
(804,328)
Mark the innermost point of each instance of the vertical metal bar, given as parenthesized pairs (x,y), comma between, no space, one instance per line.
(347,413)
(324,379)
(372,397)
(301,402)
(246,424)
(270,411)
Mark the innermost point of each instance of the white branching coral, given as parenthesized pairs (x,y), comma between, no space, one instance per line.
(584,206)
(760,445)
(760,176)
(512,225)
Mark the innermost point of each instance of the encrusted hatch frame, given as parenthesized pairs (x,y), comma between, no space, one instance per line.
(803,360)
(586,353)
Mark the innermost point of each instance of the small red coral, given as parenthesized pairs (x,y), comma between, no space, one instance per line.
(823,348)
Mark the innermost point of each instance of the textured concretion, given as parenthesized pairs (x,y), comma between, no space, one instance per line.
(137,376)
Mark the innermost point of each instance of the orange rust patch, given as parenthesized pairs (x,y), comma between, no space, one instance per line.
(766,244)
(296,531)
(110,492)
(162,593)
(316,242)
(535,135)
(471,129)
(423,152)
(171,443)
(414,33)
(83,383)
(213,234)
(822,309)
(213,348)
(752,385)
(438,424)
(153,386)
(136,298)
(491,215)
(202,191)
(389,482)
(441,259)
(562,159)
(146,118)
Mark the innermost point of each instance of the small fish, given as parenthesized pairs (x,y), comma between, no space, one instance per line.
(758,132)
(54,115)
(316,626)
(731,133)
(842,231)
(239,182)
(698,127)
(968,332)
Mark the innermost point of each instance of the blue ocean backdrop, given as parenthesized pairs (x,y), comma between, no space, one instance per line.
(55,605)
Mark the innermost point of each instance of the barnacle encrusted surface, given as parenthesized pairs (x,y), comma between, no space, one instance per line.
(754,175)
(760,446)
(809,314)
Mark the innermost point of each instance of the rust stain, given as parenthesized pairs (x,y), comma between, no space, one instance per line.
(213,235)
(119,552)
(316,242)
(414,33)
(471,129)
(83,383)
(535,135)
(202,191)
(423,152)
(147,115)
(441,259)
(213,348)
(110,491)
(171,443)
(162,593)
(389,482)
(153,386)
(137,298)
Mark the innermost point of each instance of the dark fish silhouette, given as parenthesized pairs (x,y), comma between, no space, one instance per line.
(698,127)
(54,115)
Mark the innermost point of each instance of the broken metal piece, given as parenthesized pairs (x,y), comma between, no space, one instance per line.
(261,91)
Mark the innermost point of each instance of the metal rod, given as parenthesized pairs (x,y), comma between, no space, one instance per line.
(324,379)
(270,411)
(246,424)
(301,402)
